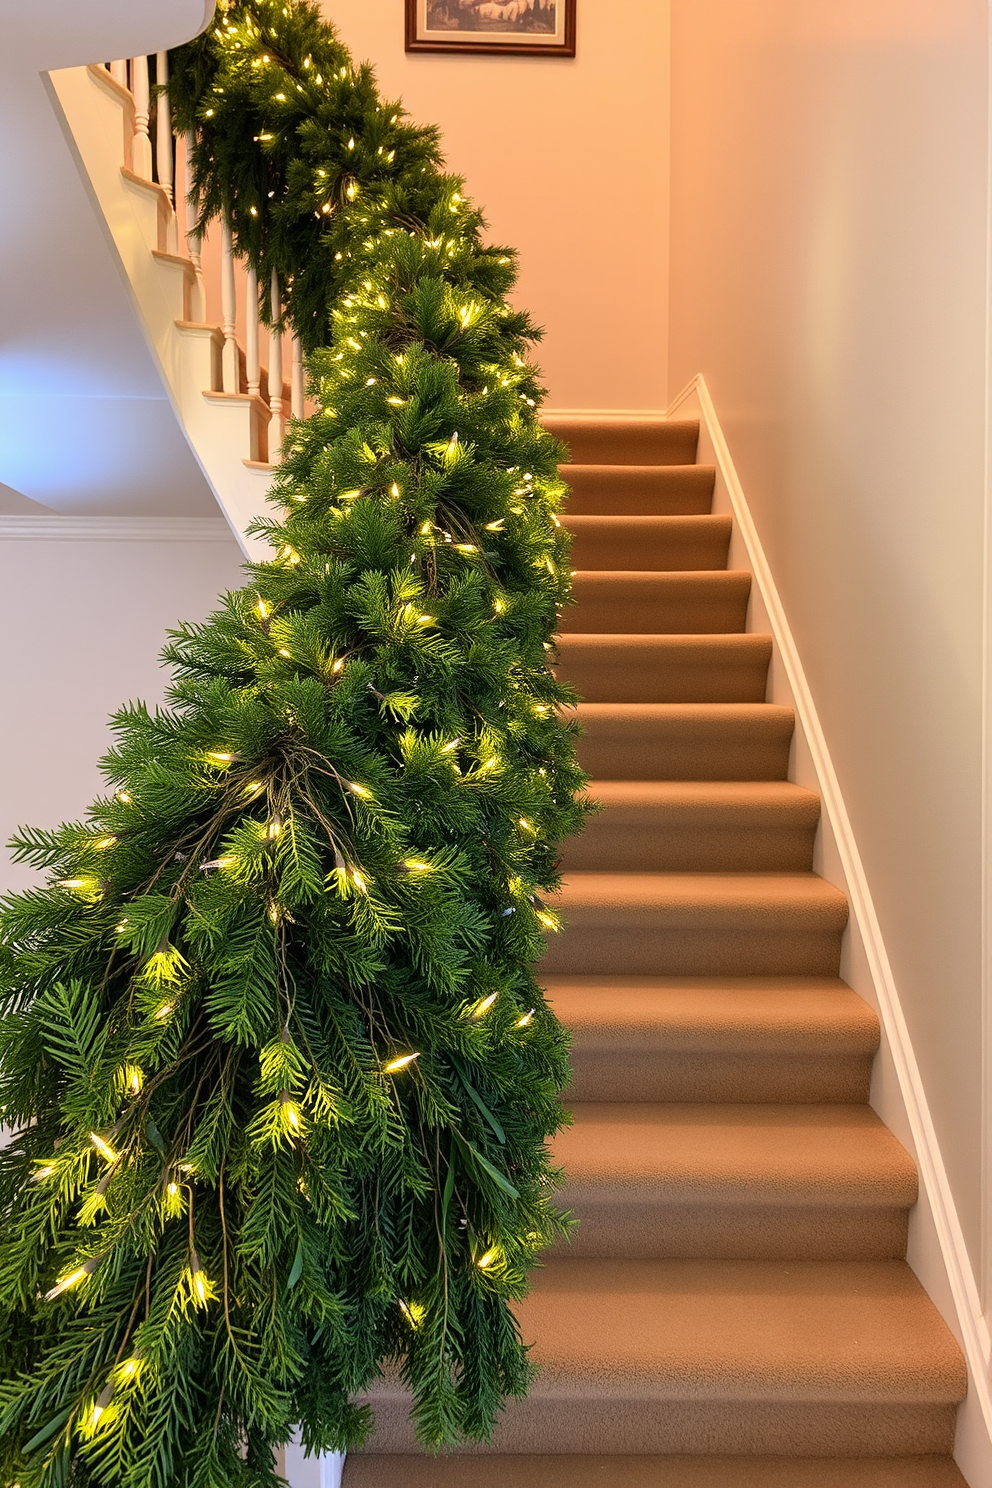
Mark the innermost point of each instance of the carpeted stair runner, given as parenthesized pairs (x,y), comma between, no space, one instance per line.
(734,1310)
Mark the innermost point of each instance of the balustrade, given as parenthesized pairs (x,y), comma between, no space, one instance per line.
(221,279)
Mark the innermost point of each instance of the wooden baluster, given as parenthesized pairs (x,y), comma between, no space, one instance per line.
(296,385)
(275,375)
(118,71)
(142,139)
(228,311)
(198,308)
(163,146)
(253,374)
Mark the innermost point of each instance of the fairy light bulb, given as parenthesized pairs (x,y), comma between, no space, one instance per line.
(402,1062)
(104,1148)
(74,1278)
(199,1280)
(481,1008)
(485,1261)
(526,1020)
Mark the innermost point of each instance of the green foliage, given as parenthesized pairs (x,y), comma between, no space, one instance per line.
(277,1072)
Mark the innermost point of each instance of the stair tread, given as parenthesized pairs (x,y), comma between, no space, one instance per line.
(685,740)
(748,1331)
(686,897)
(626,441)
(771,798)
(682,600)
(576,1470)
(715,1015)
(819,1155)
(680,490)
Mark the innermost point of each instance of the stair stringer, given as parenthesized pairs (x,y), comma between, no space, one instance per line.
(223,431)
(937,1251)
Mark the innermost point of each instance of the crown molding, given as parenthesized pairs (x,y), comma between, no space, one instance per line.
(54,528)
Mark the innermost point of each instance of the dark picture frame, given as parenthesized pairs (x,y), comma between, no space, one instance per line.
(490,27)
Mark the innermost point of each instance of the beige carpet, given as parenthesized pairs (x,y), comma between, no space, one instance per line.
(734,1310)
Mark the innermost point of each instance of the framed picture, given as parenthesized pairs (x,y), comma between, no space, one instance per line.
(536,28)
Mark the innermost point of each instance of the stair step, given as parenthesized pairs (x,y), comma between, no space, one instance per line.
(495,1470)
(666,669)
(631,543)
(698,924)
(626,441)
(688,826)
(685,741)
(639,490)
(803,1357)
(682,603)
(746,1182)
(734,1039)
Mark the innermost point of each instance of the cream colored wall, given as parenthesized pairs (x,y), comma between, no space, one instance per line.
(829,170)
(565,157)
(85,622)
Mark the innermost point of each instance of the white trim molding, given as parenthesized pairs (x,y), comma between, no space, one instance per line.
(944,1267)
(114,529)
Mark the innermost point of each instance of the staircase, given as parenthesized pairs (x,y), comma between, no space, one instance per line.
(735,1309)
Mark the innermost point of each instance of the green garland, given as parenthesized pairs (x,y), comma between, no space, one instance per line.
(278,1074)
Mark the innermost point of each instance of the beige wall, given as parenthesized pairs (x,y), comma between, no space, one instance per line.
(568,158)
(828,277)
(89,620)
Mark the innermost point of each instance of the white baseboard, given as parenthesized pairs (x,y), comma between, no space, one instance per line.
(300,1471)
(604,415)
(937,1253)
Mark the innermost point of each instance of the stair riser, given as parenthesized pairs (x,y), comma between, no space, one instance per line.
(593,1421)
(604,943)
(571,1471)
(641,544)
(653,1230)
(638,491)
(692,604)
(644,1074)
(672,841)
(627,749)
(724,671)
(645,442)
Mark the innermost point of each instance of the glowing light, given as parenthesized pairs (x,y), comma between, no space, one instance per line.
(547,920)
(496,526)
(359,790)
(359,881)
(40,1174)
(220,757)
(486,1260)
(72,1280)
(414,865)
(104,842)
(499,606)
(414,1312)
(134,1078)
(466,547)
(449,747)
(396,402)
(349,495)
(263,610)
(425,619)
(104,1148)
(400,1063)
(75,883)
(483,1007)
(253,787)
(124,798)
(200,1284)
(164,1010)
(283,652)
(527,826)
(172,1190)
(253,211)
(526,1020)
(338,665)
(394,489)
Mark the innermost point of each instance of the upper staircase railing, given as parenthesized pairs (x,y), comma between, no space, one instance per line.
(160,156)
(234,381)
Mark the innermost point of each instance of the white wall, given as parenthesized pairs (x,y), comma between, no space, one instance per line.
(565,157)
(829,186)
(84,623)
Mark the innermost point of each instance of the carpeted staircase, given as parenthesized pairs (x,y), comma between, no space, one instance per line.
(734,1310)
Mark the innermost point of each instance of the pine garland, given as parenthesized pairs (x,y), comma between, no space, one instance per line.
(277,1073)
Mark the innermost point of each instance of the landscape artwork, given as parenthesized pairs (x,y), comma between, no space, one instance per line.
(539,27)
